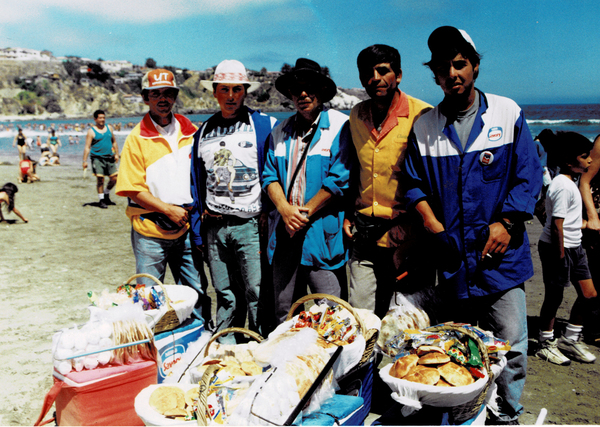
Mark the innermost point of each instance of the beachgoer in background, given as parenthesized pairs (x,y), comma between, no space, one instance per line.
(27,170)
(54,160)
(77,139)
(38,141)
(7,196)
(154,175)
(562,256)
(21,143)
(101,143)
(306,174)
(380,127)
(234,224)
(54,141)
(589,185)
(474,176)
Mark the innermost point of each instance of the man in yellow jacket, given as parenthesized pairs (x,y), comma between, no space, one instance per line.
(380,127)
(154,175)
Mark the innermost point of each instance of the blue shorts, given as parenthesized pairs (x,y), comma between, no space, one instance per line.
(558,272)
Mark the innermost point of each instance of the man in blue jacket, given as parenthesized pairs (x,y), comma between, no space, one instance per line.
(474,176)
(227,163)
(306,172)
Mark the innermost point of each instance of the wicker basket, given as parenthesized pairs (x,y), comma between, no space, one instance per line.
(469,410)
(169,320)
(370,335)
(211,370)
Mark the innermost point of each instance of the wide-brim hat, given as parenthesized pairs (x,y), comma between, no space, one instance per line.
(230,71)
(158,78)
(447,38)
(306,70)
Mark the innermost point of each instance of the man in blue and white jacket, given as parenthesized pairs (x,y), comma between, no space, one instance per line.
(306,173)
(474,176)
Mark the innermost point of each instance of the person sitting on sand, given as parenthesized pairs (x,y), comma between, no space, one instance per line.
(7,196)
(54,160)
(562,255)
(27,170)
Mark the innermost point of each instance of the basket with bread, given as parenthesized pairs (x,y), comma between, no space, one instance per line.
(447,365)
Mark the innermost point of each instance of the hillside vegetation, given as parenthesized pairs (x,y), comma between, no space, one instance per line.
(52,89)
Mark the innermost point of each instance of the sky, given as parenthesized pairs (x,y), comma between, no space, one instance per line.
(534,51)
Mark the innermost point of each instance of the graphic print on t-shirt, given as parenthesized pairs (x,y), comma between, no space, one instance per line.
(231,162)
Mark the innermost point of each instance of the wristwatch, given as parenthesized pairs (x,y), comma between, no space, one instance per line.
(506,224)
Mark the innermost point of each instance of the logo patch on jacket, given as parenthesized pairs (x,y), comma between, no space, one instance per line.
(495,133)
(486,158)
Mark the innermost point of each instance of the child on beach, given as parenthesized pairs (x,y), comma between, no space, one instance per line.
(562,255)
(27,170)
(7,196)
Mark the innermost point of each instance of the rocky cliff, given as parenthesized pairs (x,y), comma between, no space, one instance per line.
(45,89)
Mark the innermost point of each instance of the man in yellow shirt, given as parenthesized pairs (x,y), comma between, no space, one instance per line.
(380,128)
(154,175)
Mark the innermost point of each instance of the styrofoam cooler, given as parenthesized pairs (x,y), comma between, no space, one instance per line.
(173,344)
(102,396)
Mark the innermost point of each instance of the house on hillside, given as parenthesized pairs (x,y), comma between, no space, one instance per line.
(116,66)
(20,54)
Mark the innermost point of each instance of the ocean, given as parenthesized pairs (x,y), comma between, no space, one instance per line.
(581,118)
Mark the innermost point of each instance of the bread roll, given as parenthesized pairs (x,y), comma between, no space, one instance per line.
(403,365)
(456,375)
(434,358)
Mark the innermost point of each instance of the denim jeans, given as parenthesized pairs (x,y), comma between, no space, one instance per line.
(152,256)
(234,260)
(505,315)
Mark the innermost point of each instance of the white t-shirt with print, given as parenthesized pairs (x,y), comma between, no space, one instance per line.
(232,176)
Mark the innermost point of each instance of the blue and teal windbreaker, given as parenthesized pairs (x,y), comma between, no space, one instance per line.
(328,166)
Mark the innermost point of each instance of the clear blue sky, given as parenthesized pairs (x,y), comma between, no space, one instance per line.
(534,51)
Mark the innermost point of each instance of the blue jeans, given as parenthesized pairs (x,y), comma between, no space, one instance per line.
(152,256)
(233,248)
(505,315)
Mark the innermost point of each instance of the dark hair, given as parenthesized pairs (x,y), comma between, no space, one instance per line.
(10,189)
(450,51)
(565,147)
(246,86)
(98,112)
(377,54)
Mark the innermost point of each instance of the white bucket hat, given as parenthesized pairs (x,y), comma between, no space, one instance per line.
(230,71)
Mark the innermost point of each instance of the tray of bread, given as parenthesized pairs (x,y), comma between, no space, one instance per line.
(445,365)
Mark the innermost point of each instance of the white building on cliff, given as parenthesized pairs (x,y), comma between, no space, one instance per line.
(20,54)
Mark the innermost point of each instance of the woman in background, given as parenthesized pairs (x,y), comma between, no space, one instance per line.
(53,141)
(21,142)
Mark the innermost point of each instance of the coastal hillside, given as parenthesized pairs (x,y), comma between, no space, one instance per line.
(74,89)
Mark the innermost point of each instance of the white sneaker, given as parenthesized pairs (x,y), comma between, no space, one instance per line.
(549,351)
(576,350)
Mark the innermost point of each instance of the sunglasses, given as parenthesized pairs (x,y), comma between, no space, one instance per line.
(309,88)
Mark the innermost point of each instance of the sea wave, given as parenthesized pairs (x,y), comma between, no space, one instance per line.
(563,122)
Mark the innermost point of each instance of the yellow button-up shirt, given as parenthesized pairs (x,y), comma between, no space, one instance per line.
(380,154)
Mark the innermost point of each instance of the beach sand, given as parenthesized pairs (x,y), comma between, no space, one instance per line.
(67,249)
